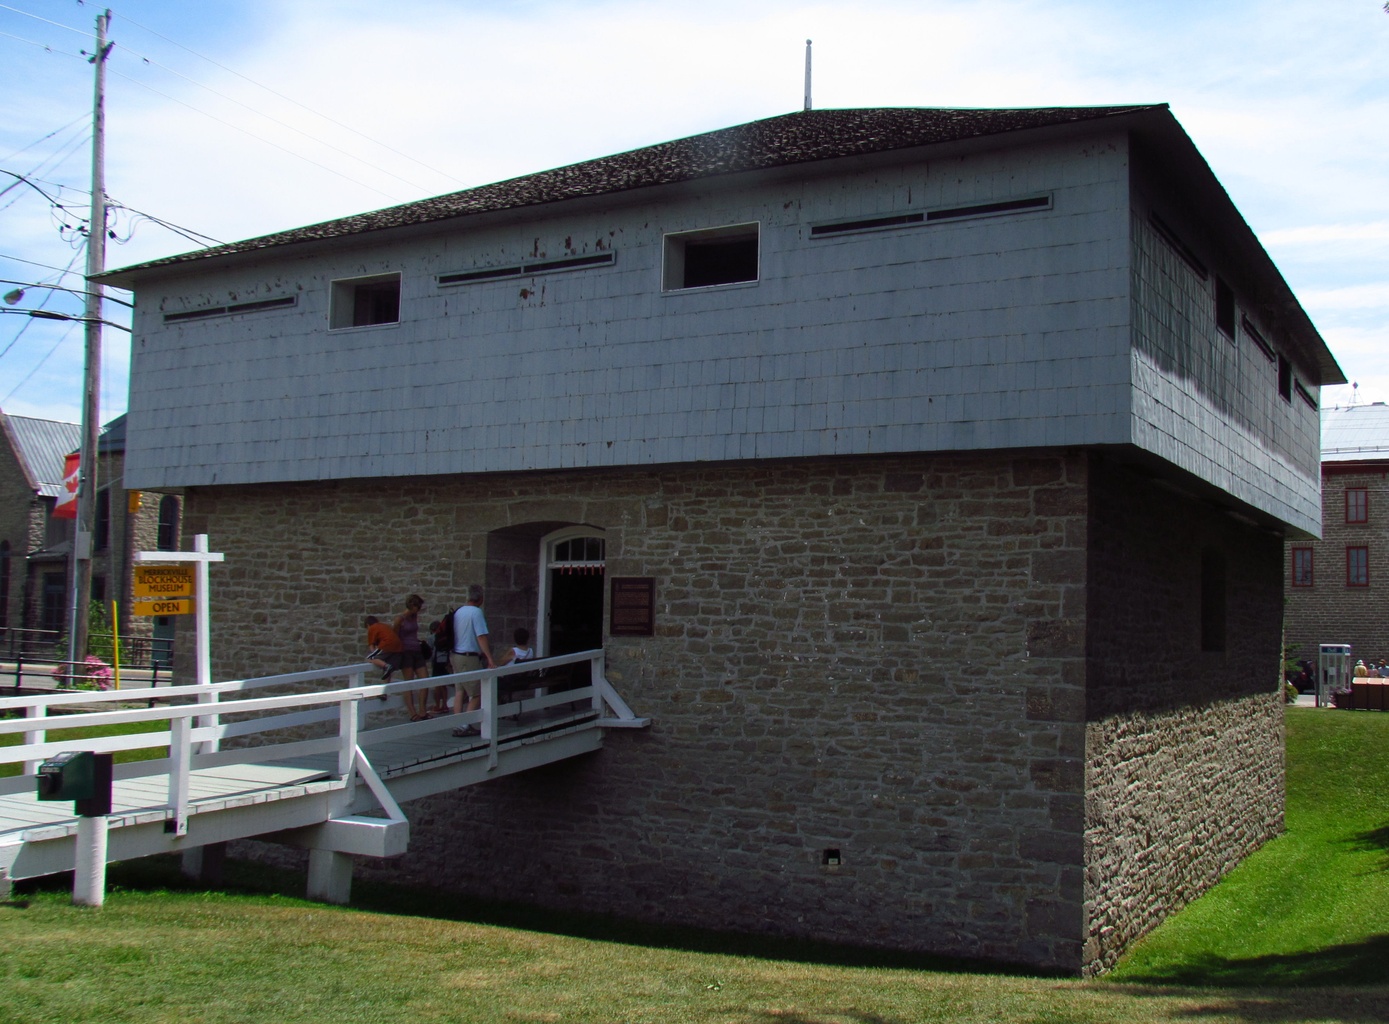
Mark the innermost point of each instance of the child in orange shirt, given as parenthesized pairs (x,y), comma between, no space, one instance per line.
(385,646)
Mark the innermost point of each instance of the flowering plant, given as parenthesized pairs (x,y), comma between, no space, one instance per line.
(97,675)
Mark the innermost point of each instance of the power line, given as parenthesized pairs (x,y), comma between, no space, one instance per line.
(287,99)
(79,119)
(258,138)
(276,120)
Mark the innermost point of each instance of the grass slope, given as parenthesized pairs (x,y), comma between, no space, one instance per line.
(1312,906)
(161,951)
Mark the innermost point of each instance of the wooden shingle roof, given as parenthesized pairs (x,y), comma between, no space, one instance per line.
(801,137)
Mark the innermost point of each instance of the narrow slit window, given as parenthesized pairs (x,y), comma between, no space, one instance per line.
(1224,308)
(365,302)
(1258,339)
(985,209)
(867,224)
(1285,378)
(702,259)
(1178,246)
(1212,601)
(603,259)
(232,308)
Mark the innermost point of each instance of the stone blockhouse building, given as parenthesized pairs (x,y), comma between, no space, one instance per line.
(954,450)
(34,546)
(1337,584)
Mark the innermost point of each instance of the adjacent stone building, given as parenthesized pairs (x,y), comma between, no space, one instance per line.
(1337,584)
(34,545)
(954,449)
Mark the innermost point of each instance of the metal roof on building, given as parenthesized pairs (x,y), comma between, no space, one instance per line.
(43,445)
(1355,433)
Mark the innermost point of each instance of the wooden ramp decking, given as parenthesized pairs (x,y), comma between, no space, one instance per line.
(336,792)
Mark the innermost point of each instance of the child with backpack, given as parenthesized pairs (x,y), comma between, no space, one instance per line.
(439,664)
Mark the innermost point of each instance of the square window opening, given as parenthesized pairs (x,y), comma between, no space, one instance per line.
(701,259)
(365,302)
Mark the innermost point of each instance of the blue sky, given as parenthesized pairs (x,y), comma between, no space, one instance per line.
(234,118)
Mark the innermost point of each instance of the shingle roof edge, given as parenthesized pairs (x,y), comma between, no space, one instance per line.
(787,139)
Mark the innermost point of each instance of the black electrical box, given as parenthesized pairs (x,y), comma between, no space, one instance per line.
(80,776)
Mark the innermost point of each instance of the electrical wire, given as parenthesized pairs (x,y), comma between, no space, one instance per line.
(79,119)
(61,338)
(287,99)
(43,304)
(258,138)
(282,124)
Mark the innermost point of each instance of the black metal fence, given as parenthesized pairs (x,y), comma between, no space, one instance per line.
(41,657)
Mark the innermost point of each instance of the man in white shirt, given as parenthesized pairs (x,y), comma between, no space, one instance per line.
(471,648)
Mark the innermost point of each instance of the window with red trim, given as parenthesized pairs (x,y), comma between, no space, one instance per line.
(1357,505)
(1302,567)
(1357,567)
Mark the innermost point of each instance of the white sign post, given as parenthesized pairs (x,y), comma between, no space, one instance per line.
(178,752)
(200,556)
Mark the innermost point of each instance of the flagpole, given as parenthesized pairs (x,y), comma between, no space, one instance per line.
(91,405)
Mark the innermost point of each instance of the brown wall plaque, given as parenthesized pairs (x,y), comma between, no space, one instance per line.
(633,606)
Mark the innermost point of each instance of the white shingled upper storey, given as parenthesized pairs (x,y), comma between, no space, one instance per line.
(828,283)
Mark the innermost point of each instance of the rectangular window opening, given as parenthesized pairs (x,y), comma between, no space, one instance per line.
(1285,378)
(702,259)
(1357,566)
(365,301)
(1302,567)
(1224,308)
(1357,505)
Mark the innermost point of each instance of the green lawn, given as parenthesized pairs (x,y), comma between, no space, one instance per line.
(1312,906)
(1307,913)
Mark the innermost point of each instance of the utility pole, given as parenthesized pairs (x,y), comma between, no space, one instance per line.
(91,403)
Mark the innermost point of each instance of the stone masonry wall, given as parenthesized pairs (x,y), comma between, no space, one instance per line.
(882,656)
(1184,746)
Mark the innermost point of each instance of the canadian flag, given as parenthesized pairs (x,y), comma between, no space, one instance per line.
(66,507)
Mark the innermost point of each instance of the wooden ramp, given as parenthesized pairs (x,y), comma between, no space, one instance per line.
(316,763)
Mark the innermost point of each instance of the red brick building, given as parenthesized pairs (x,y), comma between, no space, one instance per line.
(1338,587)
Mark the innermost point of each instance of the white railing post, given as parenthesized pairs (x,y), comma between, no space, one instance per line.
(595,673)
(347,736)
(213,745)
(489,718)
(357,679)
(180,767)
(34,736)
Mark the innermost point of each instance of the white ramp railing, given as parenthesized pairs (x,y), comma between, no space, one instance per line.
(192,721)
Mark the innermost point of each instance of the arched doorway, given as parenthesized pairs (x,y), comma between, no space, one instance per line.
(572,567)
